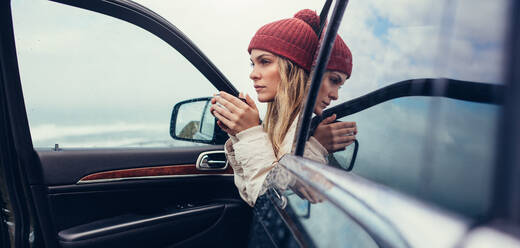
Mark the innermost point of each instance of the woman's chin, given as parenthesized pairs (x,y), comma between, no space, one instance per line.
(318,111)
(262,98)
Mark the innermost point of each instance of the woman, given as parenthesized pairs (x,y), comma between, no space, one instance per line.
(334,136)
(281,56)
(331,136)
(280,73)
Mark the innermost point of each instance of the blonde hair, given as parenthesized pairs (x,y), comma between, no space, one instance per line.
(287,103)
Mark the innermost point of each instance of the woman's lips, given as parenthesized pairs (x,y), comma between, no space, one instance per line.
(324,104)
(258,87)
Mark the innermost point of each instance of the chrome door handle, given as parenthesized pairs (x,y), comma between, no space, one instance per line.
(213,160)
(216,162)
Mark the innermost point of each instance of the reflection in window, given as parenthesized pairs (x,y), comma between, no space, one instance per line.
(326,225)
(208,122)
(475,48)
(391,41)
(393,139)
(188,119)
(394,40)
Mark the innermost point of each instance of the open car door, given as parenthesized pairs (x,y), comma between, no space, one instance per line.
(57,196)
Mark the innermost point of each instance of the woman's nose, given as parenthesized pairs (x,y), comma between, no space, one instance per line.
(333,94)
(254,75)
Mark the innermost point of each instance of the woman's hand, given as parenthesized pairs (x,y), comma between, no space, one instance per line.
(236,116)
(335,136)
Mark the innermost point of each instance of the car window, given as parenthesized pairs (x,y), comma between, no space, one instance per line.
(90,80)
(326,224)
(435,148)
(450,163)
(460,39)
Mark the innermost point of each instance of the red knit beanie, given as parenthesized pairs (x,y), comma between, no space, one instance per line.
(293,38)
(340,58)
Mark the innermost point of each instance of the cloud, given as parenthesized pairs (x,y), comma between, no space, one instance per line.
(418,42)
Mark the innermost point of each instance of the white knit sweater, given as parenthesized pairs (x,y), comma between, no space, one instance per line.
(251,156)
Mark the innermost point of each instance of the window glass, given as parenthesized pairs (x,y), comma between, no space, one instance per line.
(461,155)
(90,80)
(326,225)
(462,139)
(473,46)
(449,164)
(390,41)
(438,149)
(398,40)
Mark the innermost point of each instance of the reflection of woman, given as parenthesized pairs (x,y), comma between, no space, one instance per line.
(334,136)
(253,150)
(281,55)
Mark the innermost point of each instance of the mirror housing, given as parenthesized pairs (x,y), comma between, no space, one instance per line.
(345,159)
(192,121)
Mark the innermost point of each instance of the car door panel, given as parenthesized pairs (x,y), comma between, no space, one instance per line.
(151,229)
(71,208)
(163,207)
(70,166)
(125,226)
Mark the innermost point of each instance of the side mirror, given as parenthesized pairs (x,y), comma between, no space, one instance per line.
(192,121)
(345,159)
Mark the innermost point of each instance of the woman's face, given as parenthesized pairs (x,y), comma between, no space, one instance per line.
(332,81)
(265,74)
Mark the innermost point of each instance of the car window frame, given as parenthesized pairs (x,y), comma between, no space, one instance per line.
(506,201)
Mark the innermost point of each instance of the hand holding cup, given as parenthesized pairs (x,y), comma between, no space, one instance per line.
(233,114)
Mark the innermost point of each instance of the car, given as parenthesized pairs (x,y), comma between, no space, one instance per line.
(87,179)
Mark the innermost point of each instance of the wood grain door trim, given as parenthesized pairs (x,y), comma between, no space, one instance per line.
(158,172)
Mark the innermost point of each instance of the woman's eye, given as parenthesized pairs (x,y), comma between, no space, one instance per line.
(335,80)
(264,61)
(252,64)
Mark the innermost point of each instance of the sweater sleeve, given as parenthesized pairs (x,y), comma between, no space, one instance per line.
(281,178)
(315,151)
(238,172)
(254,154)
(256,168)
